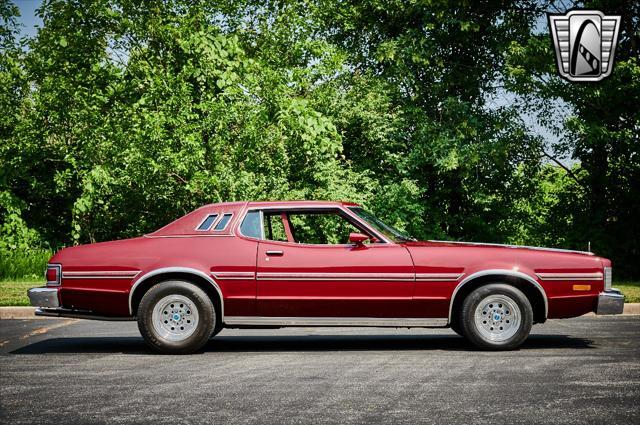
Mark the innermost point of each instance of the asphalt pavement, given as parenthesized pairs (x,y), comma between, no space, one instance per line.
(584,370)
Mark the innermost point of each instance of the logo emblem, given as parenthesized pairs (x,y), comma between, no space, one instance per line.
(585,43)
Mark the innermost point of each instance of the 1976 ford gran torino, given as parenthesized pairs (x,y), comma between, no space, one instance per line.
(276,264)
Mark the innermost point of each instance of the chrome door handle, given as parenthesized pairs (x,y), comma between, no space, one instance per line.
(275,253)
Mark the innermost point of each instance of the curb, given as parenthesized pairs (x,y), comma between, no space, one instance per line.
(17,313)
(630,309)
(21,313)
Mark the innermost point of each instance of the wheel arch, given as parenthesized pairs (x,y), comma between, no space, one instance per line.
(529,286)
(197,277)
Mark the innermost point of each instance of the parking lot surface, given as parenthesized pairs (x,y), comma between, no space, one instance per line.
(584,370)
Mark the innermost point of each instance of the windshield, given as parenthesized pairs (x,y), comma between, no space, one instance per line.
(389,231)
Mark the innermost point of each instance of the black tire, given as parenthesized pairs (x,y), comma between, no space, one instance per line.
(513,336)
(216,331)
(201,329)
(456,328)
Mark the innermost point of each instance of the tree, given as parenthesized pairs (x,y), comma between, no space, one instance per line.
(601,136)
(125,115)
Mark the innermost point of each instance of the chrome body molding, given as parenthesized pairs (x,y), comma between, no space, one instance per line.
(103,274)
(570,276)
(233,275)
(44,297)
(400,277)
(498,273)
(438,277)
(185,270)
(188,236)
(337,276)
(537,248)
(335,321)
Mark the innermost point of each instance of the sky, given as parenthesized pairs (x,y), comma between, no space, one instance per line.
(28,16)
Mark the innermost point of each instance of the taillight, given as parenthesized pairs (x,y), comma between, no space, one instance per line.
(54,274)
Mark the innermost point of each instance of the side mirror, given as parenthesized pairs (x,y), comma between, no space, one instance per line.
(358,238)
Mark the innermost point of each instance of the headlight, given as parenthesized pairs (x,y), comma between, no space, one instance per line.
(607,278)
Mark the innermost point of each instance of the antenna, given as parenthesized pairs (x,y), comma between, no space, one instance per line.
(589,246)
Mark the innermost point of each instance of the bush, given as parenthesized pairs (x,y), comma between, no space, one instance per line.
(23,264)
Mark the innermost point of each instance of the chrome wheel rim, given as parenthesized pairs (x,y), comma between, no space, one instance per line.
(497,318)
(175,318)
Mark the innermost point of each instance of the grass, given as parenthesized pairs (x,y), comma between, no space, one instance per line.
(631,291)
(19,271)
(19,264)
(14,293)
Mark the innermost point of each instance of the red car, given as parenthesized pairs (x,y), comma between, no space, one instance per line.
(276,264)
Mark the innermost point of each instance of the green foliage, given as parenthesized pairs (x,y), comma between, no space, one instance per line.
(597,199)
(122,116)
(27,264)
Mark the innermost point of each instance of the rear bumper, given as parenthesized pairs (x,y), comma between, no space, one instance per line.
(48,304)
(610,302)
(44,297)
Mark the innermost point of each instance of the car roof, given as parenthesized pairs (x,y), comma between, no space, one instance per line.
(299,204)
(187,225)
(295,203)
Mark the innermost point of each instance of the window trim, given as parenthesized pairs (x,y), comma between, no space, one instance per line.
(206,217)
(350,216)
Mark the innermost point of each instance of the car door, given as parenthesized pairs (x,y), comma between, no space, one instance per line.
(299,276)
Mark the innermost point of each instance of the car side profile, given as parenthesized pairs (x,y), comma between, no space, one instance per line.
(313,263)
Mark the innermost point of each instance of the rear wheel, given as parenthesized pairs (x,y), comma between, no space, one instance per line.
(496,317)
(176,317)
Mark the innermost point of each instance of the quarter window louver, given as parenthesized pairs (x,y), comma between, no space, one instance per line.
(223,222)
(207,222)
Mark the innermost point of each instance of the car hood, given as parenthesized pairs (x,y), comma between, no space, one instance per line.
(433,243)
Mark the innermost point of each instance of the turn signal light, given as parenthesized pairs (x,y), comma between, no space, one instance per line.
(607,278)
(581,287)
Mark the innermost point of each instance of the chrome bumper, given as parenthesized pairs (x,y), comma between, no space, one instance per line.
(44,297)
(610,302)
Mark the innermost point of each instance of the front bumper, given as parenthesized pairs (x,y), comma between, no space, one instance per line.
(44,297)
(610,302)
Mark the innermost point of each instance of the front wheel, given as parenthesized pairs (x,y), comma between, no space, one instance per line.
(176,317)
(456,328)
(496,317)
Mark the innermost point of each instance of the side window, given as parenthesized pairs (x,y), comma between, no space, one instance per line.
(321,228)
(207,223)
(251,225)
(273,227)
(223,222)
